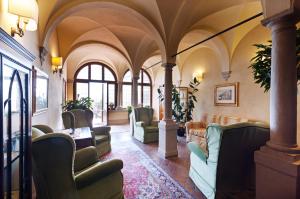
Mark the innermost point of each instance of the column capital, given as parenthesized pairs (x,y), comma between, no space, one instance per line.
(136,77)
(168,65)
(283,19)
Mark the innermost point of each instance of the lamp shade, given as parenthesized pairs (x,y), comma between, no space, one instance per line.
(57,61)
(27,10)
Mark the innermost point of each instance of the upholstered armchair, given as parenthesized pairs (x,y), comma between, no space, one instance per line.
(144,128)
(226,165)
(61,173)
(84,118)
(44,128)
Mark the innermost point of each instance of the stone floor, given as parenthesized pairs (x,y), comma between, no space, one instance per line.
(177,167)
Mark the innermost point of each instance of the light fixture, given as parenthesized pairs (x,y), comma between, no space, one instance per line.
(57,63)
(198,75)
(27,12)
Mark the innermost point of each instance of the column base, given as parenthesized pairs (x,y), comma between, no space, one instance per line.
(167,138)
(277,174)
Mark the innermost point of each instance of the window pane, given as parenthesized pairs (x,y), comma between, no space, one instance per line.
(140,95)
(111,94)
(96,72)
(127,77)
(147,96)
(96,96)
(83,73)
(140,77)
(108,75)
(126,95)
(146,78)
(82,90)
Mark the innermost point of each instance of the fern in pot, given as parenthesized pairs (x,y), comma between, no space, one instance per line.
(82,103)
(261,63)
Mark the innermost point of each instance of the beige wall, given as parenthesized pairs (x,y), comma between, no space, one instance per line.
(253,102)
(52,116)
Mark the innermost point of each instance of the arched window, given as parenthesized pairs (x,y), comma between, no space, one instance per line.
(97,81)
(144,89)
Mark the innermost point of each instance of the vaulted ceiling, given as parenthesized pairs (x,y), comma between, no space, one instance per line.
(136,33)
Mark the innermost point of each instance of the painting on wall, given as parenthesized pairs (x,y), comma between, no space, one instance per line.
(40,91)
(227,94)
(64,91)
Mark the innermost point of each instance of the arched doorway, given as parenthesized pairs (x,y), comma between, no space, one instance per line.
(97,81)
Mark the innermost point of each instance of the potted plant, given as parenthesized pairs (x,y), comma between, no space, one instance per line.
(261,63)
(177,109)
(111,106)
(82,103)
(191,99)
(129,110)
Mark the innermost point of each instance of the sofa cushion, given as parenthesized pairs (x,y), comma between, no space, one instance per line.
(101,138)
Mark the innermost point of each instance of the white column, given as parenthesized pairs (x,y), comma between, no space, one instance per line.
(167,127)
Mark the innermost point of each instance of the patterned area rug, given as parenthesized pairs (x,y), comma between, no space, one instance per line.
(143,178)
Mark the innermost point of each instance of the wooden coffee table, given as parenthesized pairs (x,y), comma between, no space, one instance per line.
(82,137)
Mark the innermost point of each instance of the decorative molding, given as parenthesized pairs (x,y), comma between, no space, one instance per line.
(226,75)
(13,44)
(43,53)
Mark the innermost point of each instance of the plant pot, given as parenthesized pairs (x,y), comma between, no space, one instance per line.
(181,131)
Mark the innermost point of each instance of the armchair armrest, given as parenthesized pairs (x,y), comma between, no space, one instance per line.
(101,130)
(194,148)
(140,123)
(96,172)
(84,158)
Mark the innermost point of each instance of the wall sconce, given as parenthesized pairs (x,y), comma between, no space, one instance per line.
(198,76)
(57,63)
(27,12)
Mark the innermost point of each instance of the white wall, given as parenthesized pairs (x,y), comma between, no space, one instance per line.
(52,116)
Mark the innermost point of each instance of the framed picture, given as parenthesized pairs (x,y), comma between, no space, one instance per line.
(227,94)
(64,91)
(40,83)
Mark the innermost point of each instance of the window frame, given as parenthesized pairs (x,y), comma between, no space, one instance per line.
(142,84)
(89,79)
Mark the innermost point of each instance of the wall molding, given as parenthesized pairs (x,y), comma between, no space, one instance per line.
(15,45)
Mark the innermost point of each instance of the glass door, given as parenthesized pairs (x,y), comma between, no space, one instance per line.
(98,93)
(15,134)
(105,104)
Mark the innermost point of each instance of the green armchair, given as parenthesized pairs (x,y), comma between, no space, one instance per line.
(82,118)
(61,173)
(227,166)
(144,128)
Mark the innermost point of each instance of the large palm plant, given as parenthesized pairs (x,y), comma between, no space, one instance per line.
(261,63)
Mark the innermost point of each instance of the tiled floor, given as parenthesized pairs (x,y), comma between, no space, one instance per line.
(177,167)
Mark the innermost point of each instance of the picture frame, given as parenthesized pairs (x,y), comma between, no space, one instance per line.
(227,94)
(64,91)
(40,87)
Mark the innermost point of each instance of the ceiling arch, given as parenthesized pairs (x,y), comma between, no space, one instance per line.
(216,44)
(79,7)
(90,51)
